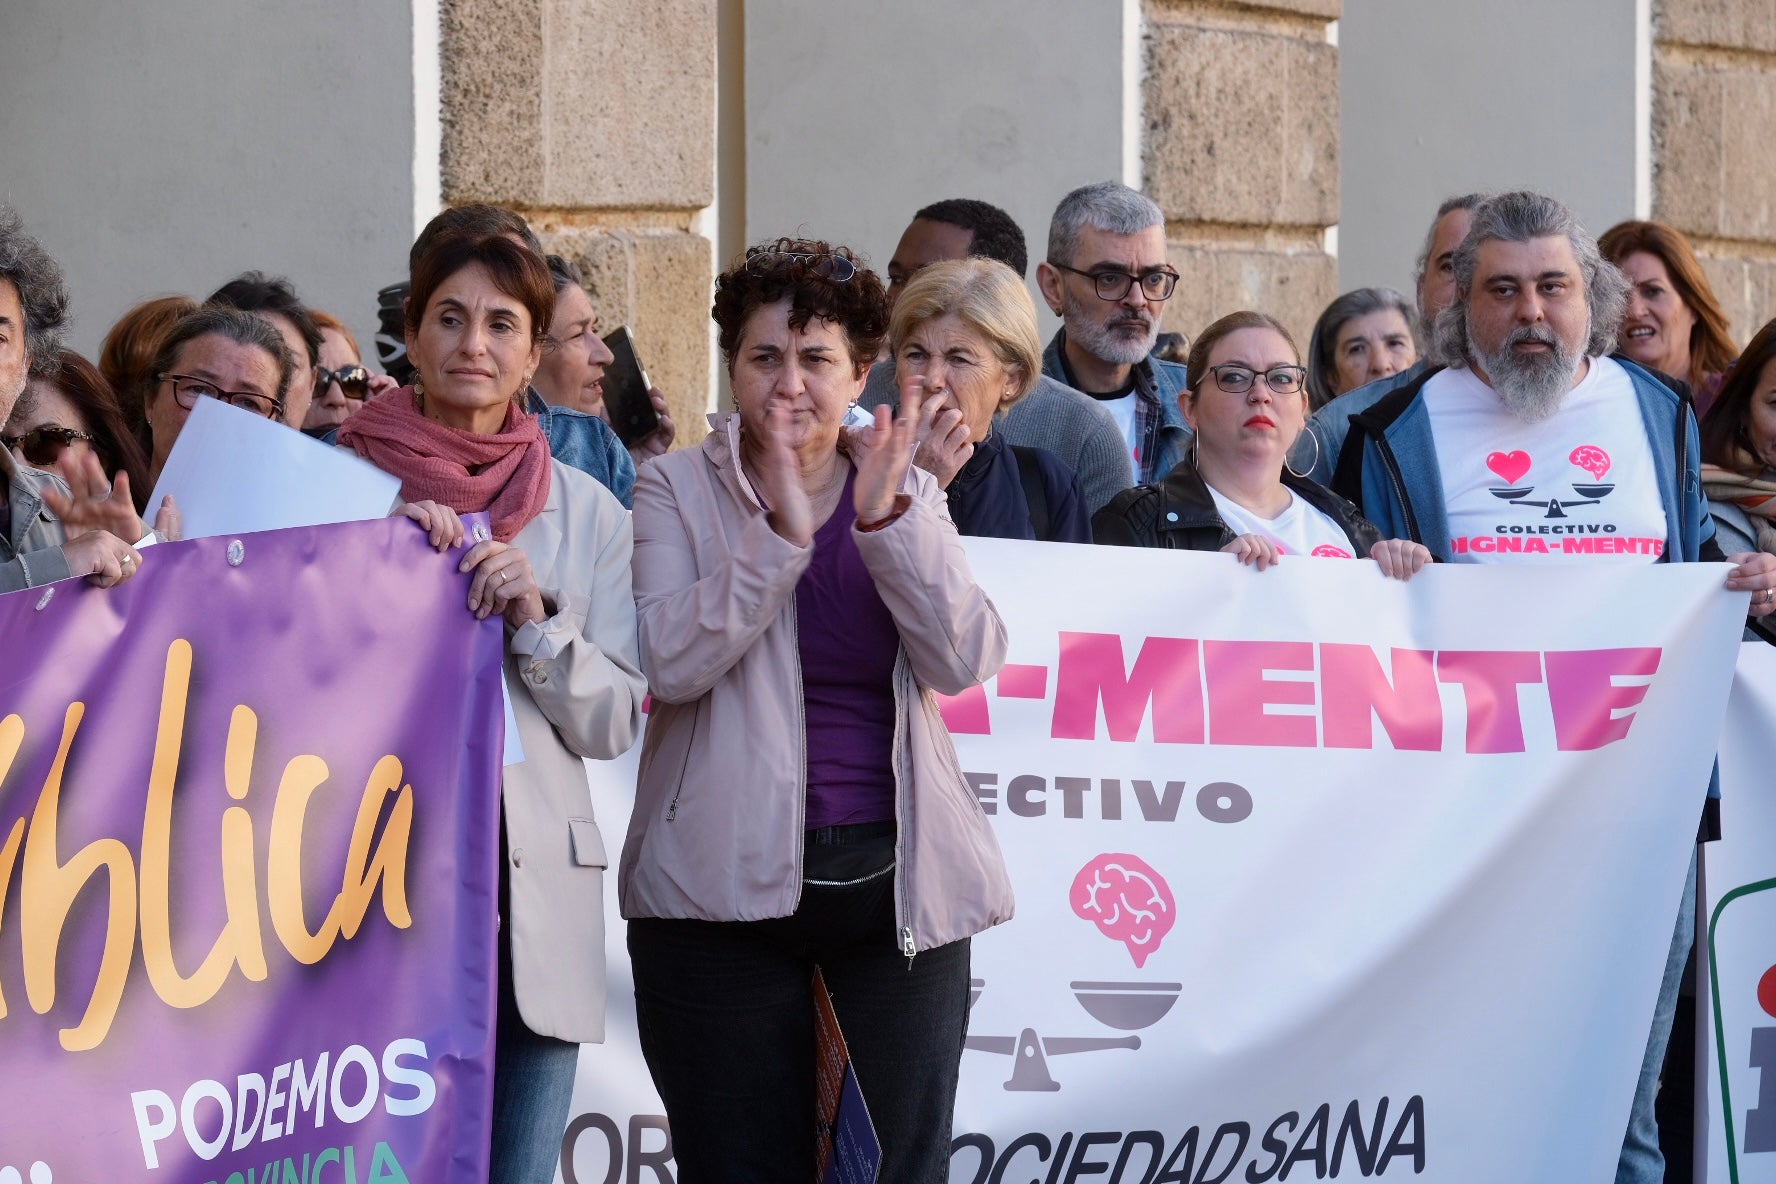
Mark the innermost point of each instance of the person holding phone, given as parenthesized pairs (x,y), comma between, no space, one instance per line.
(799,802)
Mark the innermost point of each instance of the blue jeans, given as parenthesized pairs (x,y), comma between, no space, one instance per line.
(1642,1162)
(533,1081)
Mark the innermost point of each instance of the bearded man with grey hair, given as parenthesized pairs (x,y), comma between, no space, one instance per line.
(1107,277)
(1528,444)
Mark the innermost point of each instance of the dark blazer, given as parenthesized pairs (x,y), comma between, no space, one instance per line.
(987,497)
(1178,514)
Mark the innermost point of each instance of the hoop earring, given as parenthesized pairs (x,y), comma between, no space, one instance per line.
(1311,466)
(1193,459)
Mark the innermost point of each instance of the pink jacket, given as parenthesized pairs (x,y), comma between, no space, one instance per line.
(717,829)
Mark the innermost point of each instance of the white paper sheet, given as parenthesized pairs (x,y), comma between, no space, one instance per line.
(233,472)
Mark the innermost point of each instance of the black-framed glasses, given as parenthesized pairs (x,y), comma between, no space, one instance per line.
(188,390)
(1111,284)
(354,381)
(43,445)
(1237,380)
(824,264)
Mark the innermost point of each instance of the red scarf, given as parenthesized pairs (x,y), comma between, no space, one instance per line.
(505,474)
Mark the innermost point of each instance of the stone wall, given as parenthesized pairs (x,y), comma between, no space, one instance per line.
(1714,173)
(595,119)
(1241,152)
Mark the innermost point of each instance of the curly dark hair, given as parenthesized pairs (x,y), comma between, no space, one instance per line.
(43,297)
(800,269)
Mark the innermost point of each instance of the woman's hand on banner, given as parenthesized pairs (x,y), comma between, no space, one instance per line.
(1400,558)
(503,583)
(1253,549)
(442,526)
(1754,572)
(103,558)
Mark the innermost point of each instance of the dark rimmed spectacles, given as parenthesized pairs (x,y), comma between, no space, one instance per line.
(824,264)
(354,381)
(1237,380)
(1111,284)
(188,390)
(43,446)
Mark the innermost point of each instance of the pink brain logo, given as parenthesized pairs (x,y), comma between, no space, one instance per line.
(1592,459)
(1127,900)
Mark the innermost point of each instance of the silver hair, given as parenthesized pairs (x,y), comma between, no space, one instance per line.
(1359,302)
(1467,201)
(1518,218)
(43,297)
(1108,206)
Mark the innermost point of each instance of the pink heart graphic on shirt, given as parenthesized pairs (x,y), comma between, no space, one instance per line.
(1509,465)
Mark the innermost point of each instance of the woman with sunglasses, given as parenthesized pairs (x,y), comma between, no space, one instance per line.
(1246,402)
(799,803)
(69,414)
(342,382)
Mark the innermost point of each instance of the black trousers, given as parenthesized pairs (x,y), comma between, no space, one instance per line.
(726,1015)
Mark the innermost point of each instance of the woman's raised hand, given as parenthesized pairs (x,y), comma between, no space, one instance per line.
(1254,549)
(95,503)
(780,481)
(503,583)
(943,446)
(1400,558)
(879,473)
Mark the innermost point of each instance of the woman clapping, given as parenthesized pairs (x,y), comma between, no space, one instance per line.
(799,803)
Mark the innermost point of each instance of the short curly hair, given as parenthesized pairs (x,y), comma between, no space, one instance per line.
(43,297)
(799,269)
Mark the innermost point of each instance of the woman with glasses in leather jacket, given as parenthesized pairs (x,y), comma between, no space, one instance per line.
(1246,402)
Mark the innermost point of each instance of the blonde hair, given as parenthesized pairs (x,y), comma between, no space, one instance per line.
(990,298)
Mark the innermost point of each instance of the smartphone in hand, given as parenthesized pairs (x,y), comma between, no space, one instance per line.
(626,401)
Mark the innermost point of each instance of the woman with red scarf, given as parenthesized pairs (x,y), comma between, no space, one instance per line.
(556,569)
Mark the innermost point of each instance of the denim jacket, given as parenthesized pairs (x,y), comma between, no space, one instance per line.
(586,443)
(1159,385)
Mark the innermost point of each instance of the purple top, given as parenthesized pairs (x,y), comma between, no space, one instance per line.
(848,645)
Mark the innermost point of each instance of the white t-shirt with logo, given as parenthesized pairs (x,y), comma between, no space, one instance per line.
(1578,487)
(1301,529)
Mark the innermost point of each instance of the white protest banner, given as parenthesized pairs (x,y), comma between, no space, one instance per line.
(1736,950)
(233,472)
(1319,875)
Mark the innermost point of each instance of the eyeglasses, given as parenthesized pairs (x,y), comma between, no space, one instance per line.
(825,264)
(43,445)
(188,390)
(1111,284)
(354,381)
(1237,380)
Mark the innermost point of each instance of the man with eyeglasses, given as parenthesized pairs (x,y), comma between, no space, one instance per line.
(1107,277)
(1053,415)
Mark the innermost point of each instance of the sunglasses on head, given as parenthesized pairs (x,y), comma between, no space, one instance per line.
(43,445)
(354,381)
(824,264)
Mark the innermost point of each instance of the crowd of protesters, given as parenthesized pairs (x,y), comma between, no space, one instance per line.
(791,590)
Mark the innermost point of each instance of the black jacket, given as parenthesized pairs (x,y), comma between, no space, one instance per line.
(987,498)
(1178,514)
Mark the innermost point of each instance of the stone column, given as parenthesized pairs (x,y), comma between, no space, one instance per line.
(1714,172)
(1241,152)
(595,119)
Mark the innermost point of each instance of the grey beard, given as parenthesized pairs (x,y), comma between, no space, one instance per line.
(1098,341)
(1531,386)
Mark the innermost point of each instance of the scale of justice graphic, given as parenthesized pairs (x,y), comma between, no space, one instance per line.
(1512,467)
(1131,903)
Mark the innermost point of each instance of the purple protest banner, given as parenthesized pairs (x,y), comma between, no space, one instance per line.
(248,860)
